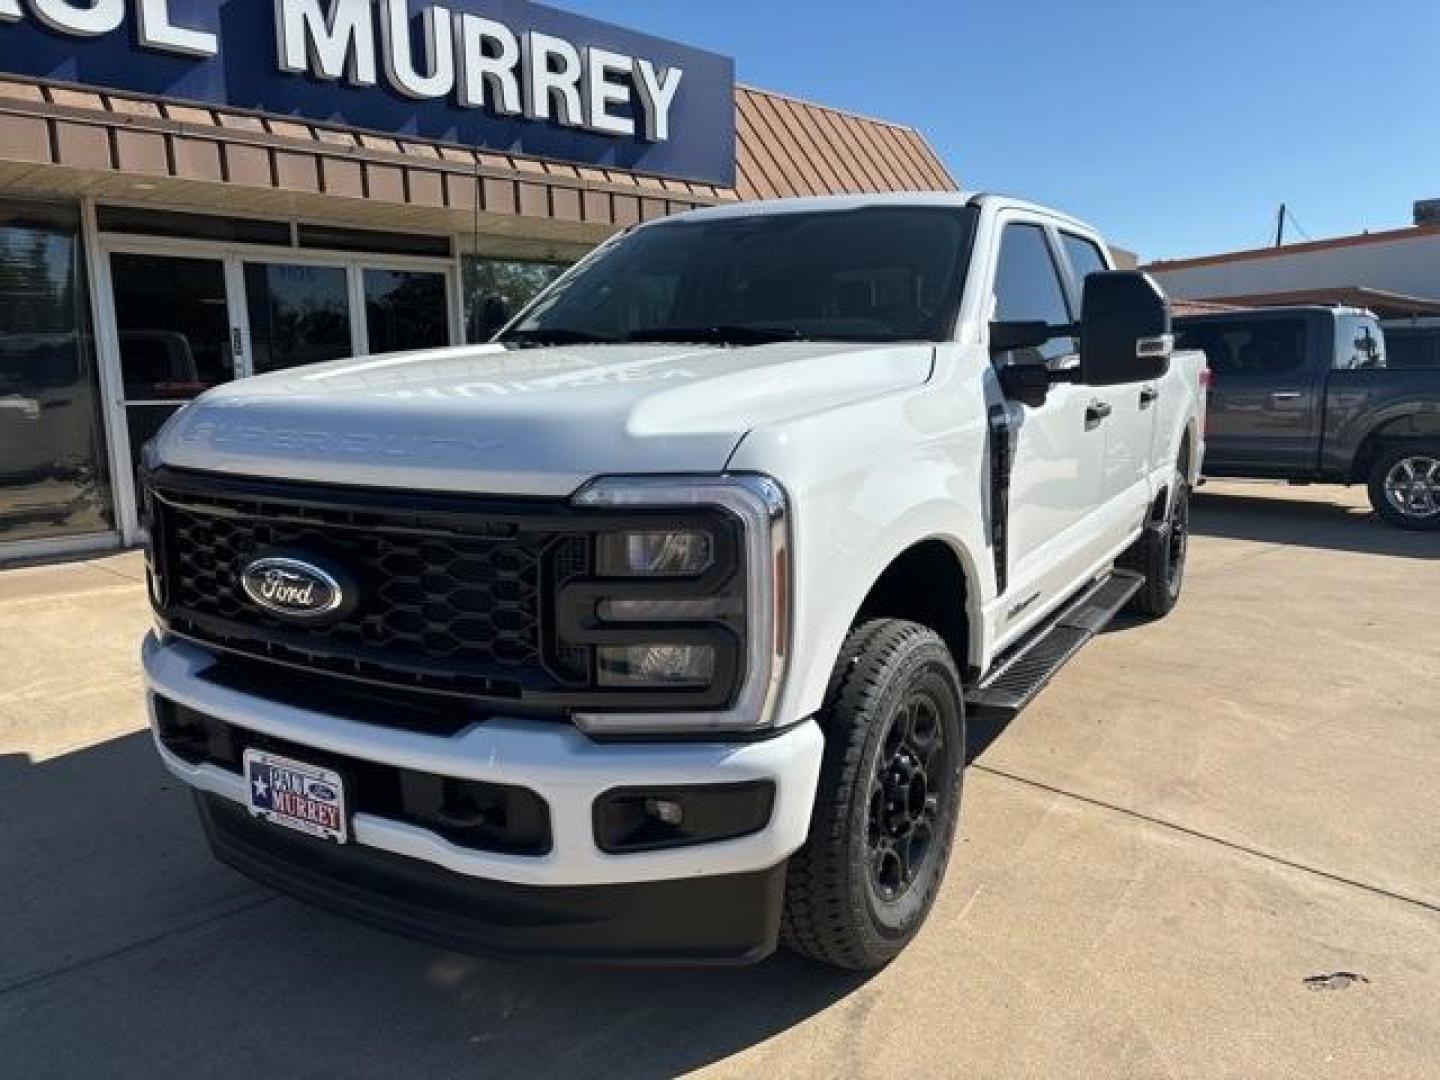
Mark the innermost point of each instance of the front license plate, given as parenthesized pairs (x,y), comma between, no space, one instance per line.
(298,796)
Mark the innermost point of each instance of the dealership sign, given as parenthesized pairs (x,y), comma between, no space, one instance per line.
(506,75)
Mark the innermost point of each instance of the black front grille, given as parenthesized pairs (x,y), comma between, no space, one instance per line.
(452,592)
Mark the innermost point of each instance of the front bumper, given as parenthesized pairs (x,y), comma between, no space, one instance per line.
(564,767)
(732,919)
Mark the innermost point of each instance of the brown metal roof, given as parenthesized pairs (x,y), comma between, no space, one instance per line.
(66,140)
(791,147)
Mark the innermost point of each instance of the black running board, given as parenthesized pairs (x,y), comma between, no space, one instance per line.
(1024,671)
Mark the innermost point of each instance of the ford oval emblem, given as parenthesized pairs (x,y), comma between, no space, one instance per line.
(294,587)
(322,792)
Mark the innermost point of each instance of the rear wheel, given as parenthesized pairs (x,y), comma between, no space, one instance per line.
(1405,486)
(1160,555)
(888,799)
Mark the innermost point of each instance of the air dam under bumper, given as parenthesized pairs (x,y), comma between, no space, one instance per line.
(576,900)
(733,919)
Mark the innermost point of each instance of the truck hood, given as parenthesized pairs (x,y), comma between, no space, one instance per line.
(536,421)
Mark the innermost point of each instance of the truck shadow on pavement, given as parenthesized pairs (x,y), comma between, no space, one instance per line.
(126,950)
(1305,523)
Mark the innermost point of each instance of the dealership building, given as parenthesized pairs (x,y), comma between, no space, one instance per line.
(194,191)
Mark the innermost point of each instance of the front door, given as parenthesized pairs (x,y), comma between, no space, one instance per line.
(1059,448)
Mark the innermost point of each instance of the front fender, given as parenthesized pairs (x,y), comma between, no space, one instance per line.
(867,483)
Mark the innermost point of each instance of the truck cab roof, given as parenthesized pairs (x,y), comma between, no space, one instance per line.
(1328,310)
(817,204)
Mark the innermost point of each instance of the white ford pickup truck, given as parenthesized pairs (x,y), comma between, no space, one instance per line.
(649,631)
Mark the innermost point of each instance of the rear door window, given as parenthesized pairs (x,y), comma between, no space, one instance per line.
(1359,343)
(1254,347)
(1412,348)
(1084,258)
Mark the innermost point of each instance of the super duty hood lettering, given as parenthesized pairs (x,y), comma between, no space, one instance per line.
(400,447)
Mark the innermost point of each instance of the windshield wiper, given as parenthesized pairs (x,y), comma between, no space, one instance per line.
(719,335)
(555,336)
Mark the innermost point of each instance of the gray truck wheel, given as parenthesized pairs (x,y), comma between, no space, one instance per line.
(888,799)
(1405,486)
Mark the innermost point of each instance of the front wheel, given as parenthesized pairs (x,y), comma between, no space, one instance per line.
(1405,486)
(888,799)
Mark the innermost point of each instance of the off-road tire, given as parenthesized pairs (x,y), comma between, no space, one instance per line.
(1160,555)
(1380,469)
(835,908)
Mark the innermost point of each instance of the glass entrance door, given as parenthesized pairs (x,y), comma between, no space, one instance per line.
(188,317)
(298,314)
(175,333)
(405,309)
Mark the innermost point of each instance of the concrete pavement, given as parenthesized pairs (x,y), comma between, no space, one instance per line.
(1195,819)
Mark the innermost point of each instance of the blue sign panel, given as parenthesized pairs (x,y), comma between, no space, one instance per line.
(504,75)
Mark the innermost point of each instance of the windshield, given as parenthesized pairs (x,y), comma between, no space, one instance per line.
(880,273)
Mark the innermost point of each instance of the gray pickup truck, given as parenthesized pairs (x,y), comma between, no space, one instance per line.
(1304,394)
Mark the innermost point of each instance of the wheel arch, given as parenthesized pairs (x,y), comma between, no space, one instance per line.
(1420,426)
(1186,464)
(930,583)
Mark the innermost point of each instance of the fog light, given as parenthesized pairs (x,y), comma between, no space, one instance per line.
(656,554)
(657,665)
(666,811)
(652,819)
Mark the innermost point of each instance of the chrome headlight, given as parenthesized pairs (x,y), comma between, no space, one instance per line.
(699,603)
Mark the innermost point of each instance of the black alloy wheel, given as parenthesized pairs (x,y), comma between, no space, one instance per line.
(904,805)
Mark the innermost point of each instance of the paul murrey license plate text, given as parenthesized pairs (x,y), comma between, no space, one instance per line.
(299,796)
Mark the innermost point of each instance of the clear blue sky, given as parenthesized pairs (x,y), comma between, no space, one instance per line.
(1176,127)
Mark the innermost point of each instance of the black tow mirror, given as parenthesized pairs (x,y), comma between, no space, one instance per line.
(1125,333)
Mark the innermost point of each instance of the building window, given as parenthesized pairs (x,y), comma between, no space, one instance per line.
(54,480)
(141,222)
(496,290)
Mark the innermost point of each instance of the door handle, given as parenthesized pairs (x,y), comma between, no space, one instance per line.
(1285,395)
(1148,396)
(1096,412)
